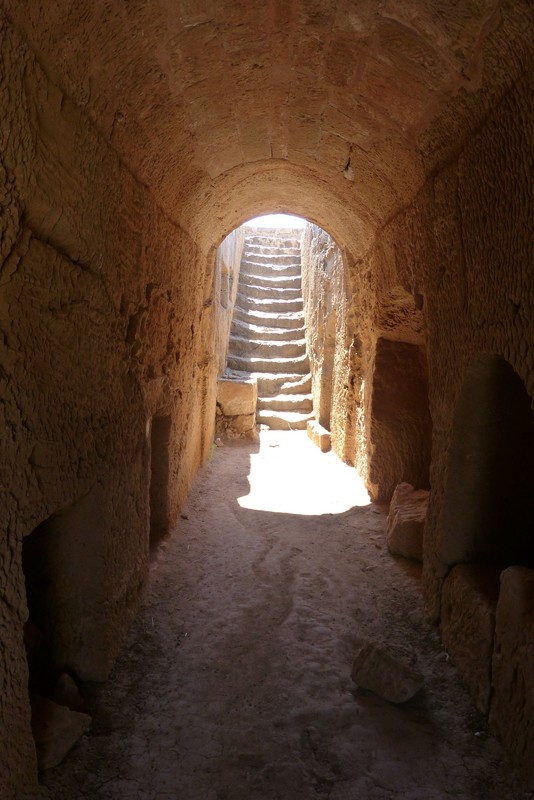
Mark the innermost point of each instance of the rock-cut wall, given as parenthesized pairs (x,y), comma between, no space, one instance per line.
(336,379)
(452,276)
(428,341)
(106,350)
(369,375)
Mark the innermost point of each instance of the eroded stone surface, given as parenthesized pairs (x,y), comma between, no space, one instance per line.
(319,436)
(468,604)
(56,729)
(406,521)
(66,693)
(387,674)
(237,397)
(512,700)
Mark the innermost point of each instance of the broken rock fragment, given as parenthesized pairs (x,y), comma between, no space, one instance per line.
(406,521)
(66,693)
(385,674)
(56,729)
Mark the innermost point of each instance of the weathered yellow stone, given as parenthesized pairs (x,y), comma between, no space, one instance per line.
(237,397)
(319,435)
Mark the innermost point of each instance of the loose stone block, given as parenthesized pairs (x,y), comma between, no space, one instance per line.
(469,600)
(319,436)
(243,423)
(406,521)
(237,398)
(56,730)
(512,701)
(66,693)
(385,674)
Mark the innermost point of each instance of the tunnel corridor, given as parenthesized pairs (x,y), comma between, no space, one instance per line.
(235,681)
(135,140)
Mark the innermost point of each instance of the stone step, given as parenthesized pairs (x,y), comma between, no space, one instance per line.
(270,385)
(284,420)
(292,319)
(262,275)
(244,329)
(274,239)
(275,280)
(268,268)
(270,292)
(283,383)
(286,402)
(269,254)
(243,346)
(274,242)
(276,262)
(267,340)
(299,365)
(269,305)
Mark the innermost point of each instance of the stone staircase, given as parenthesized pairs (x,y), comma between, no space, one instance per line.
(267,336)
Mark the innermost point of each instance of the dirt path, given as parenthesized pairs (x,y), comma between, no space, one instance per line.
(235,681)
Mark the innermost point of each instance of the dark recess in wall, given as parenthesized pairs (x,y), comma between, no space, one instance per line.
(489,497)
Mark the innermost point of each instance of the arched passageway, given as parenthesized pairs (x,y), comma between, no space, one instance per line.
(134,138)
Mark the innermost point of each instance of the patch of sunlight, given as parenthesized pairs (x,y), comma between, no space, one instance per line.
(290,475)
(276,221)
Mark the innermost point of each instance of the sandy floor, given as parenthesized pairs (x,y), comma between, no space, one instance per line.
(235,680)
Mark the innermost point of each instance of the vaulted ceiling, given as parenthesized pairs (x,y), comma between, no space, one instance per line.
(333,109)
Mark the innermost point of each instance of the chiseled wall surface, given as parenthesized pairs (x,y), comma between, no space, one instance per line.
(228,264)
(465,246)
(379,417)
(332,349)
(106,320)
(464,249)
(450,275)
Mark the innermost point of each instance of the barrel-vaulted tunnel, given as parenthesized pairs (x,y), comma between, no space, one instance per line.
(135,137)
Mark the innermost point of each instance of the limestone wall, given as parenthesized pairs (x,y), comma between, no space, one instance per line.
(106,320)
(460,260)
(436,327)
(336,380)
(366,345)
(463,251)
(228,263)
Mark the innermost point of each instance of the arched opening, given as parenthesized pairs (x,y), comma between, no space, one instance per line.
(63,560)
(489,495)
(289,311)
(267,342)
(63,579)
(487,528)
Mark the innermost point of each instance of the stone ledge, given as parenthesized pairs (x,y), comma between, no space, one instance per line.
(319,435)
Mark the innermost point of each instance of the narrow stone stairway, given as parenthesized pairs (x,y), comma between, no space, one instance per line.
(267,336)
